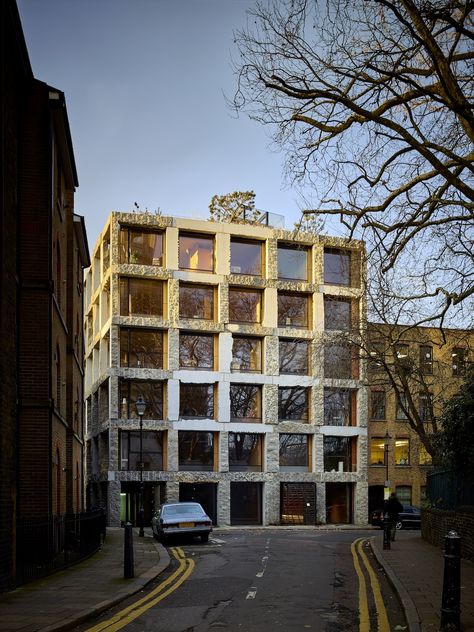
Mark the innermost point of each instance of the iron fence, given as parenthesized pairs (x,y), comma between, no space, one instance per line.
(449,489)
(53,543)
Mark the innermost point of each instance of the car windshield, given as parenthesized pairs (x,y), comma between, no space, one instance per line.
(181,510)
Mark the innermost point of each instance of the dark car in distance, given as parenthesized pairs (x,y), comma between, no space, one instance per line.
(409,518)
(182,518)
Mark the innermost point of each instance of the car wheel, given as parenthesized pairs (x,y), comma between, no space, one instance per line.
(205,537)
(399,525)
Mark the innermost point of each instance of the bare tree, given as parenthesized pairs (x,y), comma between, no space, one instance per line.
(373,101)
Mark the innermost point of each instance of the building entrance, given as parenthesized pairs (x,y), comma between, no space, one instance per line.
(298,503)
(203,493)
(246,503)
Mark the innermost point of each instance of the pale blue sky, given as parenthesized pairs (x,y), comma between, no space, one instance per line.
(144,82)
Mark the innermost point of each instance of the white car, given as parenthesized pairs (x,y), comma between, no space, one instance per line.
(181,518)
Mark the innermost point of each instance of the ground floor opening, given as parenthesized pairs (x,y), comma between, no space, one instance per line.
(339,503)
(298,503)
(203,493)
(245,503)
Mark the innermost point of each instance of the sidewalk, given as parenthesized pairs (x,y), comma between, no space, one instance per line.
(64,599)
(415,569)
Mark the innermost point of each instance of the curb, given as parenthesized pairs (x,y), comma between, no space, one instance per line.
(408,606)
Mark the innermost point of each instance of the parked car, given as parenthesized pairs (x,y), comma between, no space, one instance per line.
(181,518)
(409,518)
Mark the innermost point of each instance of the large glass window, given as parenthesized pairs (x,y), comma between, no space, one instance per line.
(246,355)
(339,361)
(339,407)
(141,348)
(196,351)
(141,246)
(377,451)
(196,301)
(292,262)
(245,452)
(376,357)
(403,494)
(459,357)
(402,451)
(294,356)
(196,401)
(337,313)
(337,454)
(141,297)
(401,407)
(196,252)
(293,403)
(196,451)
(377,405)
(150,391)
(245,257)
(152,450)
(337,266)
(294,453)
(245,306)
(426,407)
(426,359)
(293,310)
(245,402)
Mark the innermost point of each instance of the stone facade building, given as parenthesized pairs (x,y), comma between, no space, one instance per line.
(231,333)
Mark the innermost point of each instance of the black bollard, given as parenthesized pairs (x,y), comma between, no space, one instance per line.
(451,600)
(386,533)
(128,562)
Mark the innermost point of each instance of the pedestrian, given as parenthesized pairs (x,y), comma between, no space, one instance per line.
(392,507)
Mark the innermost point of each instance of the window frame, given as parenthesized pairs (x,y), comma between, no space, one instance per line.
(303,390)
(127,409)
(128,332)
(127,291)
(289,370)
(426,359)
(201,336)
(350,415)
(338,252)
(306,457)
(282,246)
(235,466)
(380,392)
(211,395)
(236,361)
(377,448)
(257,394)
(208,459)
(282,321)
(258,307)
(345,455)
(205,237)
(136,435)
(207,289)
(126,245)
(402,461)
(330,319)
(247,242)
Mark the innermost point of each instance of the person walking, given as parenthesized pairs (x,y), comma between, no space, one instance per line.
(392,507)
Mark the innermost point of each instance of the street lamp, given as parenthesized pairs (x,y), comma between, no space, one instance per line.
(386,443)
(140,405)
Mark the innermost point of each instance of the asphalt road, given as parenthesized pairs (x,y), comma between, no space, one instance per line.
(265,580)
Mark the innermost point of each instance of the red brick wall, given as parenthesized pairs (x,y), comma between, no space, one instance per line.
(436,524)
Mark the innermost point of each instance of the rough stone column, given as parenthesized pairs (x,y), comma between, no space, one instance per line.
(223,502)
(172,492)
(271,359)
(173,302)
(272,502)
(270,404)
(272,452)
(113,449)
(173,350)
(318,452)
(224,451)
(173,456)
(223,303)
(361,510)
(113,499)
(321,503)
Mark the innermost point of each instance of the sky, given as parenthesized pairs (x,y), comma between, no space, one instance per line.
(145,84)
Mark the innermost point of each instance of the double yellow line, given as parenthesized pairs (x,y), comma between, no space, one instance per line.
(136,609)
(364,618)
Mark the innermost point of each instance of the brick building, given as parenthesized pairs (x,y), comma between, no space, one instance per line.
(231,333)
(44,252)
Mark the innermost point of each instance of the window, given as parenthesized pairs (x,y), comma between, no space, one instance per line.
(245,452)
(245,402)
(196,351)
(141,348)
(337,313)
(426,359)
(404,494)
(196,451)
(340,361)
(337,266)
(196,401)
(402,356)
(402,451)
(246,355)
(245,257)
(337,454)
(426,407)
(424,457)
(293,310)
(459,357)
(294,356)
(150,391)
(377,451)
(141,246)
(339,407)
(294,453)
(402,407)
(293,403)
(152,450)
(376,357)
(141,297)
(292,262)
(377,405)
(196,252)
(245,306)
(196,301)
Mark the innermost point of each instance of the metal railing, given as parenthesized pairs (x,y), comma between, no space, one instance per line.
(449,489)
(53,543)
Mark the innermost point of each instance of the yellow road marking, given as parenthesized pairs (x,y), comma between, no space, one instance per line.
(382,618)
(364,621)
(136,609)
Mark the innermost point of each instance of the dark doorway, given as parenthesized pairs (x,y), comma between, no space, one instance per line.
(203,493)
(130,501)
(339,503)
(298,503)
(375,498)
(246,503)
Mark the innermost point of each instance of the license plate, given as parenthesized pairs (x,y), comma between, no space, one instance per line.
(184,525)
